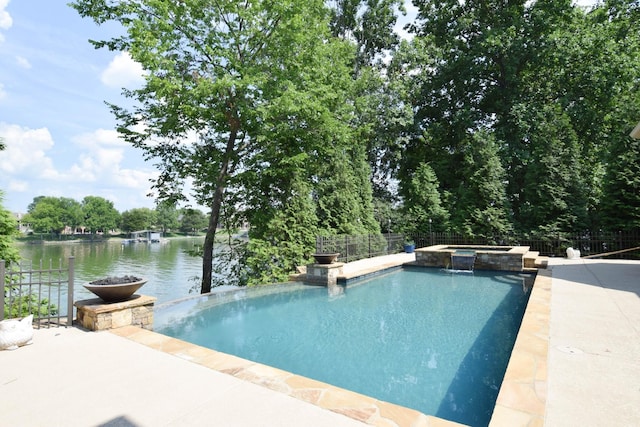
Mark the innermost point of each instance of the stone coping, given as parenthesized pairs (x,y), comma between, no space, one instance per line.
(354,405)
(97,305)
(477,248)
(523,394)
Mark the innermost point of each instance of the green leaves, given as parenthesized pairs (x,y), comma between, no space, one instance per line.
(549,84)
(8,230)
(99,214)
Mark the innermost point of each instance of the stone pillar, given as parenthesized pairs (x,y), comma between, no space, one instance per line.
(324,274)
(96,315)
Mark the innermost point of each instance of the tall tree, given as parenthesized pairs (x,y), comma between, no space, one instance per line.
(621,206)
(313,175)
(99,214)
(137,219)
(54,214)
(210,68)
(167,216)
(369,24)
(481,206)
(380,108)
(192,220)
(542,79)
(423,207)
(608,79)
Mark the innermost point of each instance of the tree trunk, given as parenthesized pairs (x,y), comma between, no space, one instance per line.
(214,216)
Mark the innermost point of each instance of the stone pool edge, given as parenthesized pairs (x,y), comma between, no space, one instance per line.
(354,405)
(521,400)
(523,394)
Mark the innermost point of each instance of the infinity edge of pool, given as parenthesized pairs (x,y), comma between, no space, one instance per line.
(521,399)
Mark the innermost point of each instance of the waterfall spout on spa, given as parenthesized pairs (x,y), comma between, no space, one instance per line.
(463,262)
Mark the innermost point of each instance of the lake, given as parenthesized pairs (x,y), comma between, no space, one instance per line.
(170,271)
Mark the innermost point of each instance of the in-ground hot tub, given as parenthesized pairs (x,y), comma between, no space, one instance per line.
(505,258)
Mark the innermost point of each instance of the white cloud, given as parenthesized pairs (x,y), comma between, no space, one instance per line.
(5,19)
(23,62)
(122,71)
(102,159)
(25,154)
(30,164)
(107,137)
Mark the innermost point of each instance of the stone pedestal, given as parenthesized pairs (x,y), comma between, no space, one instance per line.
(96,315)
(324,274)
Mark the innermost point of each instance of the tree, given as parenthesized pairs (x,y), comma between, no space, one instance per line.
(544,85)
(137,219)
(53,214)
(621,205)
(167,216)
(422,203)
(369,24)
(481,206)
(213,72)
(192,221)
(99,214)
(8,231)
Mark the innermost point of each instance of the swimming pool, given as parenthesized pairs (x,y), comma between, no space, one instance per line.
(421,338)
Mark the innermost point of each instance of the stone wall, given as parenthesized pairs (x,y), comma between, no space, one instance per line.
(96,315)
(323,274)
(509,259)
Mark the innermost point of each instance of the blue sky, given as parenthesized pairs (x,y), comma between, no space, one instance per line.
(58,131)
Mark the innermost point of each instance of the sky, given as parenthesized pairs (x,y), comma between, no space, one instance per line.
(59,134)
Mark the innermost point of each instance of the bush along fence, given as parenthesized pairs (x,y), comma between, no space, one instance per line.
(605,244)
(44,291)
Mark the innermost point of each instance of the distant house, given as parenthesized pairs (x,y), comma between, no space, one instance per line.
(23,227)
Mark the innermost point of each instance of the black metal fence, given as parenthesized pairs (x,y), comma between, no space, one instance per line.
(44,291)
(555,244)
(352,248)
(607,244)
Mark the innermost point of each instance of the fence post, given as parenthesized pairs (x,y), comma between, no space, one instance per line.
(346,247)
(3,289)
(70,292)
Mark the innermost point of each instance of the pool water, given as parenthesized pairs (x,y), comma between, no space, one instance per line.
(421,338)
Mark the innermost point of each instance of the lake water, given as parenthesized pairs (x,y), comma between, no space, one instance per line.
(170,271)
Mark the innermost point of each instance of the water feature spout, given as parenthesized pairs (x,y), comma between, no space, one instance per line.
(463,262)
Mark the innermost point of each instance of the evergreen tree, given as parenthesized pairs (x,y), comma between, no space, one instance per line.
(553,196)
(481,205)
(423,207)
(621,201)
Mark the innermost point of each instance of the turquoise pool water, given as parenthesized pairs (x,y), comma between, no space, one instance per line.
(422,338)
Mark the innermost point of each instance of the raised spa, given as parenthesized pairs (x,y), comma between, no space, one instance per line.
(502,258)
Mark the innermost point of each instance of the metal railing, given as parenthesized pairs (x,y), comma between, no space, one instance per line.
(554,244)
(47,293)
(353,247)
